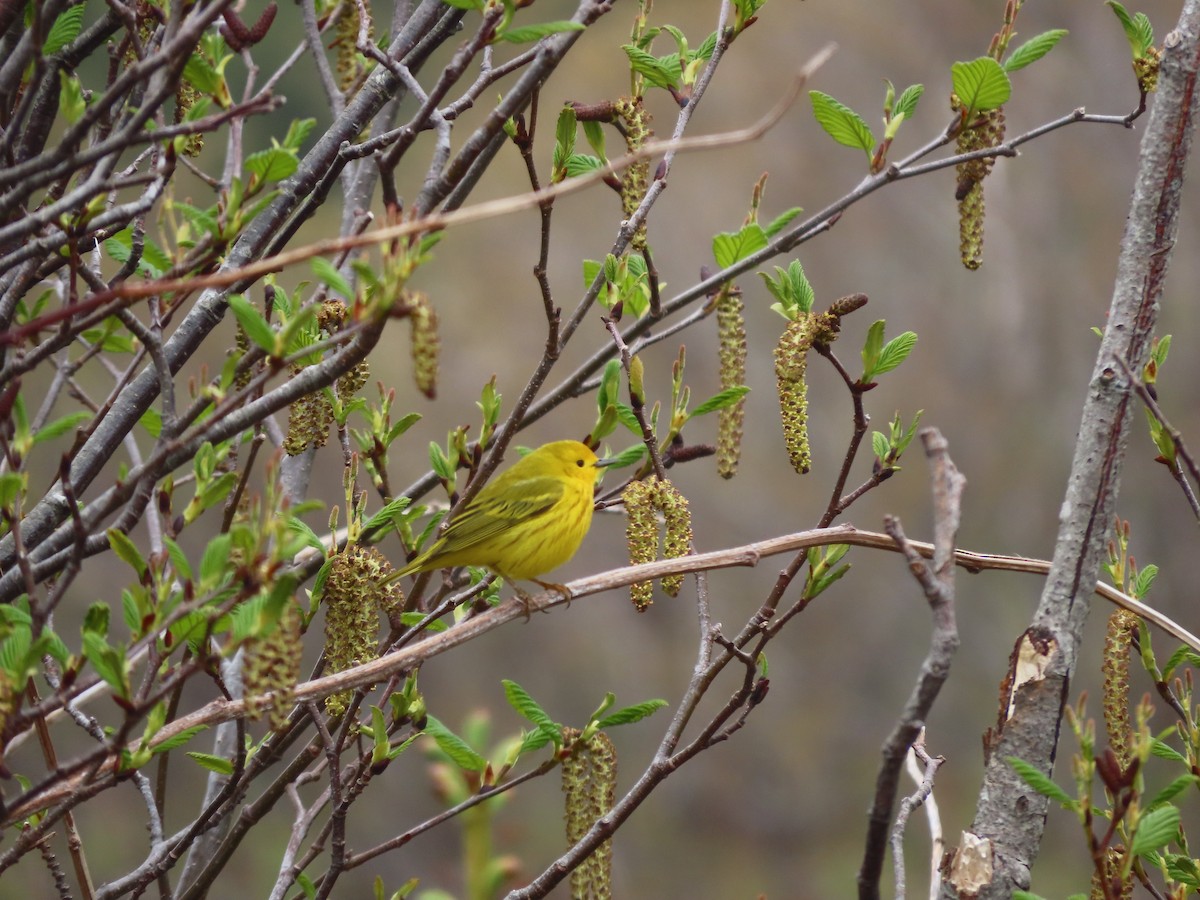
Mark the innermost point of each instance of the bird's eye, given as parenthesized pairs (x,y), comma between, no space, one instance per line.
(579,462)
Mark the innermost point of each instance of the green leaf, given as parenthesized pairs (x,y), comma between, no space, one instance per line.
(272,165)
(328,275)
(580,164)
(411,619)
(1034,49)
(218,764)
(595,137)
(630,714)
(64,30)
(1155,829)
(895,352)
(1143,581)
(70,95)
(529,33)
(725,398)
(465,4)
(782,221)
(564,140)
(730,247)
(389,515)
(108,661)
(302,529)
(842,123)
(453,746)
(519,699)
(214,561)
(1178,786)
(1138,30)
(879,444)
(60,426)
(406,422)
(980,84)
(256,327)
(12,487)
(178,740)
(906,103)
(201,75)
(1041,782)
(179,560)
(654,70)
(127,551)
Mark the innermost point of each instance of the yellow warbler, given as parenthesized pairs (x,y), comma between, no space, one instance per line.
(528,520)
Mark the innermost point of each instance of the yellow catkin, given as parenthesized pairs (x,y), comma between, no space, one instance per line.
(186,96)
(589,779)
(988,131)
(349,63)
(273,664)
(791,362)
(1118,641)
(731,331)
(1120,888)
(426,345)
(641,537)
(636,179)
(309,419)
(677,538)
(1146,69)
(354,591)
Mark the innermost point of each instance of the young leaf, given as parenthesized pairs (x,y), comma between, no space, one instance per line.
(178,740)
(842,123)
(1034,49)
(1138,30)
(782,221)
(1041,782)
(980,84)
(453,746)
(564,140)
(651,67)
(519,699)
(127,551)
(328,275)
(253,323)
(906,103)
(730,247)
(631,714)
(217,764)
(1155,829)
(536,32)
(725,398)
(895,352)
(64,30)
(60,426)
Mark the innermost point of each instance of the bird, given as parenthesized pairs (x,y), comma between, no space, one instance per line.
(527,521)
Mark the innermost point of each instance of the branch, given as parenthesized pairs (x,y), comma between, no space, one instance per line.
(1010,818)
(469,629)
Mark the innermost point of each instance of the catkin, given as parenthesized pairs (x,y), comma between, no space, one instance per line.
(1118,641)
(641,536)
(273,664)
(426,346)
(791,362)
(589,780)
(731,331)
(989,132)
(353,597)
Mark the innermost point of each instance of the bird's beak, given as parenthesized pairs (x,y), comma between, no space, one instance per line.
(609,461)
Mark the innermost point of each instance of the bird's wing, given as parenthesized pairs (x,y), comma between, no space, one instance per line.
(489,515)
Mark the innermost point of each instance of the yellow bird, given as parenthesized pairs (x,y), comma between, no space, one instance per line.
(528,520)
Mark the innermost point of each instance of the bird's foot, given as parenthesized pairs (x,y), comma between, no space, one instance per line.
(560,588)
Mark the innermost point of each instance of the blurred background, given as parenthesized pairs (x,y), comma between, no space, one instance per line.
(1001,367)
